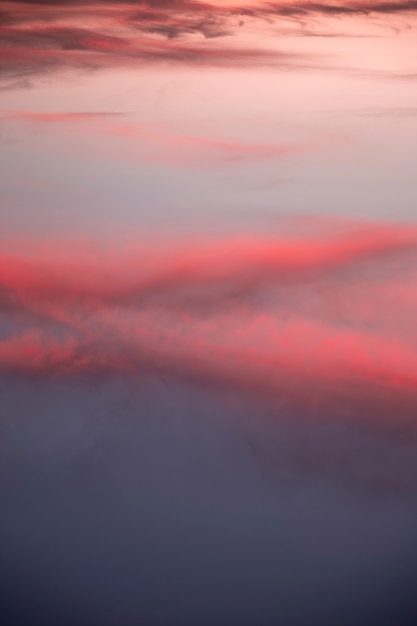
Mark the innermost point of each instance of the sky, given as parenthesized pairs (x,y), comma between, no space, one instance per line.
(208,295)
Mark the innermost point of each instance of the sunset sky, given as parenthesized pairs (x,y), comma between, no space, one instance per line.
(208,305)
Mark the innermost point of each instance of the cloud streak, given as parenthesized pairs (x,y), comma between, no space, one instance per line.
(153,143)
(170,267)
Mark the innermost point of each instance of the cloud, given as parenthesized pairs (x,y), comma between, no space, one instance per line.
(343,374)
(45,51)
(48,36)
(207,313)
(153,143)
(38,42)
(169,266)
(298,9)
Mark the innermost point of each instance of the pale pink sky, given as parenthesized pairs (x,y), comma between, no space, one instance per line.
(322,119)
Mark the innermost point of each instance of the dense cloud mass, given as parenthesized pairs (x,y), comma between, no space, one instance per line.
(227,313)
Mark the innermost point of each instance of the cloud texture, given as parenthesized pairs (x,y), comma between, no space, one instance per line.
(37,38)
(208,389)
(235,314)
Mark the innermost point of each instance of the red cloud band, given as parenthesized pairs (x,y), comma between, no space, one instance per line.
(240,261)
(138,316)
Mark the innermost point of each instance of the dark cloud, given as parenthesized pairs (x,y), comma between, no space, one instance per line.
(60,38)
(47,37)
(354,8)
(149,9)
(40,37)
(45,49)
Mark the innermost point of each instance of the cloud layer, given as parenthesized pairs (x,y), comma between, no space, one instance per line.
(47,36)
(234,314)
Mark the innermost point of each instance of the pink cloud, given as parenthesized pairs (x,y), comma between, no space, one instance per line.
(136,314)
(171,266)
(41,37)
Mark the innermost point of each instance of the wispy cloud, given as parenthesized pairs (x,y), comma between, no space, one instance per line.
(39,37)
(153,143)
(27,53)
(36,42)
